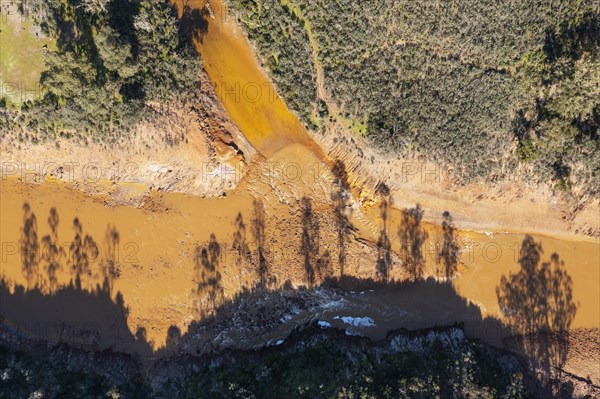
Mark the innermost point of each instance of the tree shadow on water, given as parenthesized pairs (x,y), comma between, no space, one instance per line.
(82,252)
(259,234)
(341,208)
(48,310)
(86,319)
(193,24)
(537,301)
(110,263)
(243,256)
(207,260)
(41,260)
(30,247)
(412,236)
(317,265)
(538,304)
(384,246)
(254,317)
(52,250)
(449,253)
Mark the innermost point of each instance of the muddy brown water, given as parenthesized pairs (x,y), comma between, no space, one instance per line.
(157,242)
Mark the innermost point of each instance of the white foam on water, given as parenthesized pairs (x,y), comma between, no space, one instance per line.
(356,321)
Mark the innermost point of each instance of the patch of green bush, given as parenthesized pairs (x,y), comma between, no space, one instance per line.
(437,365)
(450,80)
(35,375)
(114,56)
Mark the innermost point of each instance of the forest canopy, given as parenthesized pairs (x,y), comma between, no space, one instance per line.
(480,85)
(112,58)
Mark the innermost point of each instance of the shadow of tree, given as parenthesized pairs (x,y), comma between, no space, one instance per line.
(82,251)
(384,246)
(341,209)
(259,222)
(243,256)
(121,18)
(572,39)
(384,261)
(316,265)
(537,302)
(412,236)
(253,318)
(30,247)
(90,320)
(207,270)
(450,250)
(173,340)
(193,24)
(309,241)
(52,251)
(110,265)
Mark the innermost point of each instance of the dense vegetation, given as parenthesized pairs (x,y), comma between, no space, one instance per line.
(431,366)
(41,374)
(113,57)
(479,85)
(439,364)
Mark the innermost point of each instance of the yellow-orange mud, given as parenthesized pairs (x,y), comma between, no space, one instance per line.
(157,250)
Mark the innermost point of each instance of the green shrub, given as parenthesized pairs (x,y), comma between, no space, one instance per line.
(113,57)
(446,79)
